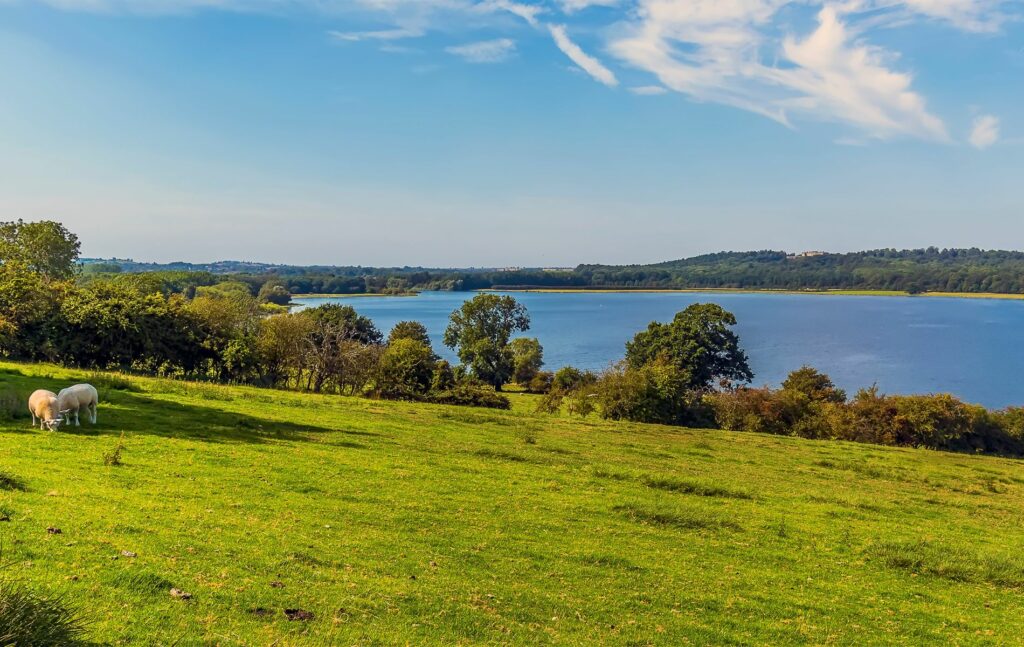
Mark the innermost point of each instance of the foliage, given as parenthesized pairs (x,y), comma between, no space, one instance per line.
(406,369)
(45,247)
(817,386)
(480,331)
(654,392)
(274,292)
(541,382)
(699,345)
(570,378)
(527,359)
(471,396)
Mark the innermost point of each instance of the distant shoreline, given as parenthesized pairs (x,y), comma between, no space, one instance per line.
(856,293)
(827,293)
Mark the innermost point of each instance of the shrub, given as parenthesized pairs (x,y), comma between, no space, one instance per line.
(470,396)
(551,403)
(570,378)
(760,410)
(444,377)
(406,369)
(581,403)
(541,382)
(654,392)
(27,618)
(817,386)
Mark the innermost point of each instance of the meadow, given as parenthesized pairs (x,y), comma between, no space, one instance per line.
(300,519)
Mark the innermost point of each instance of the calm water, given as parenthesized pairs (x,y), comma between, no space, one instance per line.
(969,347)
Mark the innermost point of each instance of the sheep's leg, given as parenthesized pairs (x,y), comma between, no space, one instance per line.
(33,420)
(92,413)
(77,424)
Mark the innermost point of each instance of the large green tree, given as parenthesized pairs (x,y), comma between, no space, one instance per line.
(45,247)
(699,343)
(527,358)
(480,330)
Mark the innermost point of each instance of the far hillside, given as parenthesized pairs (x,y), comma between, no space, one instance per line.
(972,271)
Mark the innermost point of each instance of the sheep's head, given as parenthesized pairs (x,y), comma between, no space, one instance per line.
(53,423)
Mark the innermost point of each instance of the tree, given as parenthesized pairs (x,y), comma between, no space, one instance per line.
(527,358)
(406,369)
(814,384)
(413,330)
(348,322)
(45,247)
(480,331)
(698,343)
(281,344)
(275,292)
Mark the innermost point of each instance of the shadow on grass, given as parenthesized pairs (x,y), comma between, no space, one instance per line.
(136,413)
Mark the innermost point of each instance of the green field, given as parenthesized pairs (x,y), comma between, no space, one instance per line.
(399,523)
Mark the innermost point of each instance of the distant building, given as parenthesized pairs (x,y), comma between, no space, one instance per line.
(811,254)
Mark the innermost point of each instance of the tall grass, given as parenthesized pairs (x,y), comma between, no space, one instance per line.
(31,619)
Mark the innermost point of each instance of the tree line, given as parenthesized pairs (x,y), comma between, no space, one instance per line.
(920,270)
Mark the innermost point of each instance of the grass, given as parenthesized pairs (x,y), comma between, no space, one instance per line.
(294,519)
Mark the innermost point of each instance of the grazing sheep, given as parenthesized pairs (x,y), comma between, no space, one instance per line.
(74,398)
(42,404)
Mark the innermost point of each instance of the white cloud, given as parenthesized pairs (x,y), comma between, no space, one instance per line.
(485,51)
(716,52)
(984,132)
(384,34)
(586,62)
(649,90)
(572,6)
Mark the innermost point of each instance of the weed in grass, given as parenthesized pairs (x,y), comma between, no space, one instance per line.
(141,581)
(503,456)
(113,459)
(695,488)
(529,438)
(6,513)
(28,618)
(9,482)
(693,520)
(951,563)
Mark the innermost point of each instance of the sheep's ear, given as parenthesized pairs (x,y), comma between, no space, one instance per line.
(63,411)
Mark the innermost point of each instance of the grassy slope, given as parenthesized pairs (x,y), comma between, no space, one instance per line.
(400,523)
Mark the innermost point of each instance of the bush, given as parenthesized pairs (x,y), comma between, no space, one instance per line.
(27,618)
(580,403)
(406,369)
(541,382)
(760,410)
(570,378)
(469,396)
(654,392)
(551,403)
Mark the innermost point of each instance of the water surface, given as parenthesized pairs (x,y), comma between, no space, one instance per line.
(969,347)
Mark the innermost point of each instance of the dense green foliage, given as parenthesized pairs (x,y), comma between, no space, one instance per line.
(480,332)
(918,270)
(406,523)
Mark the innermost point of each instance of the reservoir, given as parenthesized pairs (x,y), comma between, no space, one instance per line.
(972,348)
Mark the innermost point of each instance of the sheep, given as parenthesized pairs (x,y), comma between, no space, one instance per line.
(73,398)
(42,404)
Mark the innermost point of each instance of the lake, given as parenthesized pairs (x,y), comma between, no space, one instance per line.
(971,348)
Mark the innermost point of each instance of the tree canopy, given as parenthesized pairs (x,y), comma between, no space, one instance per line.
(45,247)
(480,331)
(699,343)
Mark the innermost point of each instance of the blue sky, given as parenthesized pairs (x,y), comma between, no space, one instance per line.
(493,132)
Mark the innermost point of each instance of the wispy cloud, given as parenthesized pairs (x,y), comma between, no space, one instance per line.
(984,132)
(748,54)
(485,51)
(586,62)
(383,34)
(649,90)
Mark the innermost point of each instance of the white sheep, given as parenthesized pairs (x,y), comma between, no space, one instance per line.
(74,398)
(42,404)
